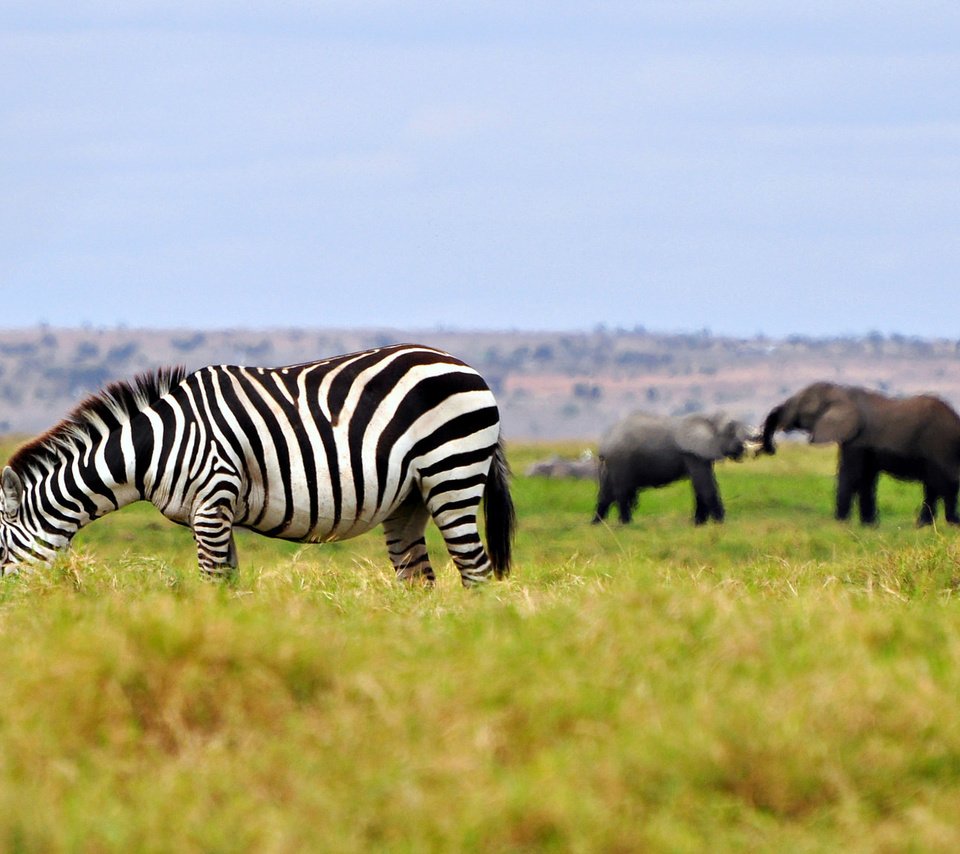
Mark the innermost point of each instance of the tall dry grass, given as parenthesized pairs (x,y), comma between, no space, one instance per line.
(782,682)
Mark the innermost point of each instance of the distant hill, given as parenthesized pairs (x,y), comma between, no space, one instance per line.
(551,385)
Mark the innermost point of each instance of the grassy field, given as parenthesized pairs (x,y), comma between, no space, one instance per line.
(779,683)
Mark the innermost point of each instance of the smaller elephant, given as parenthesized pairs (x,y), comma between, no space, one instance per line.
(912,438)
(646,450)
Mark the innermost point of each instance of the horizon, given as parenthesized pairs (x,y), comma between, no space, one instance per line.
(442,329)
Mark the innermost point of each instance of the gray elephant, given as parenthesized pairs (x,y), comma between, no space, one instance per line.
(646,450)
(912,438)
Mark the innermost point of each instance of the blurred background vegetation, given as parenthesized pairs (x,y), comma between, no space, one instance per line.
(550,385)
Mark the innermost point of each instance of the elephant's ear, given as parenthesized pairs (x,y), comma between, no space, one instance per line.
(839,422)
(698,436)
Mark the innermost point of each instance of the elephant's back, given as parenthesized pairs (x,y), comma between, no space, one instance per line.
(643,450)
(638,430)
(923,425)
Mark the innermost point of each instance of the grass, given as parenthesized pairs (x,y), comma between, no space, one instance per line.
(781,682)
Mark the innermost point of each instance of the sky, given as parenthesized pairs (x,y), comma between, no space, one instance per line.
(744,167)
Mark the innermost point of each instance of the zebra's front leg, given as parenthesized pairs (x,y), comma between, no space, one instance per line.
(216,549)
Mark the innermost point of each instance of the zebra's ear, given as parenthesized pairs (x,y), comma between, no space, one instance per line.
(12,491)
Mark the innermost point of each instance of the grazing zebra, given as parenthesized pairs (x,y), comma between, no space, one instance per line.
(314,452)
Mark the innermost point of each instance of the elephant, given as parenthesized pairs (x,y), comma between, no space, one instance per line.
(645,450)
(911,438)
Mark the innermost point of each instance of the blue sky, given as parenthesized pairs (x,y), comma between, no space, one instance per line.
(745,167)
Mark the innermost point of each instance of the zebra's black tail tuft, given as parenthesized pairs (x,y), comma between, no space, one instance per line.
(501,518)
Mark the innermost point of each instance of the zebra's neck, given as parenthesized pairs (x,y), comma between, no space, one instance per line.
(82,467)
(81,481)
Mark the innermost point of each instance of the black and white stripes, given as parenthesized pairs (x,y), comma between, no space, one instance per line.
(314,452)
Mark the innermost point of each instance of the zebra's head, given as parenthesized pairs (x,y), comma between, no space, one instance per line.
(18,543)
(11,496)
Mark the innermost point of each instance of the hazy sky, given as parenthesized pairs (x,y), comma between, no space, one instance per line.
(743,166)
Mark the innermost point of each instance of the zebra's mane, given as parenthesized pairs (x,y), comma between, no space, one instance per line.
(113,405)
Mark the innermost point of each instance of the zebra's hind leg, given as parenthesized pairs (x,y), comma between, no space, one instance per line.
(456,517)
(406,545)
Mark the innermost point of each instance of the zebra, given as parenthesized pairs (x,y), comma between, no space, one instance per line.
(313,452)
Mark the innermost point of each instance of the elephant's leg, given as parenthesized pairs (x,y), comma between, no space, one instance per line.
(867,494)
(719,513)
(928,510)
(706,492)
(701,510)
(949,496)
(626,501)
(936,485)
(716,509)
(848,481)
(604,494)
(603,505)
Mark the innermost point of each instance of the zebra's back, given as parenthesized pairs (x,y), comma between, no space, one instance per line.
(327,450)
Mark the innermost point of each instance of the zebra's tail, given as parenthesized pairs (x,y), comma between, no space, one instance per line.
(501,518)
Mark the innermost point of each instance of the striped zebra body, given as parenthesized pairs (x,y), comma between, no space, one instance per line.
(315,452)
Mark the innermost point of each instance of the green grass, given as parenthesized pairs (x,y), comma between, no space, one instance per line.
(781,682)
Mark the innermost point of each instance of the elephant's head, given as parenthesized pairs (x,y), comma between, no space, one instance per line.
(713,437)
(824,410)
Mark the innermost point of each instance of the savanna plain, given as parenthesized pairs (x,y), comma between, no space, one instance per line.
(782,682)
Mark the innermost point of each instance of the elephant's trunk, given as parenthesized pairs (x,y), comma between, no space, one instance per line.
(770,426)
